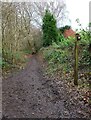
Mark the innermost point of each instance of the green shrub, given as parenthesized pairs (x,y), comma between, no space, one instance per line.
(85,37)
(85,56)
(62,29)
(58,58)
(60,55)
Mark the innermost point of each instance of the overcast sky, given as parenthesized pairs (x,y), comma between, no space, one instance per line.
(78,9)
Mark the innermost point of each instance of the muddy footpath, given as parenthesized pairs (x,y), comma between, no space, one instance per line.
(30,94)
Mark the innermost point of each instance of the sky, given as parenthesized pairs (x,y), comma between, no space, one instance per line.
(78,9)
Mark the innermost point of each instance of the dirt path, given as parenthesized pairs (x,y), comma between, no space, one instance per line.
(28,94)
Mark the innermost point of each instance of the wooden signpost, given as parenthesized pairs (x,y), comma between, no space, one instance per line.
(76,59)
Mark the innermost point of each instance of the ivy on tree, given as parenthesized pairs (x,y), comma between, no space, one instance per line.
(50,33)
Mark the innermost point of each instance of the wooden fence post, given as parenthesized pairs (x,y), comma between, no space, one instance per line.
(76,60)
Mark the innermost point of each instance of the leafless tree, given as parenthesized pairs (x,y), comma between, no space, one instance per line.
(22,21)
(36,11)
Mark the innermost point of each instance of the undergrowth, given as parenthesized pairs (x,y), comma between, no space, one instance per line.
(12,62)
(60,57)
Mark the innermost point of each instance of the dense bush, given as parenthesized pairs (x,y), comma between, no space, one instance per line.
(85,55)
(60,56)
(62,29)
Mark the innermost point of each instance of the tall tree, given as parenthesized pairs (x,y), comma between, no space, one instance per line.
(36,11)
(49,28)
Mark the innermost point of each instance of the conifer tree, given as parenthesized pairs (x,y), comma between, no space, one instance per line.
(49,28)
